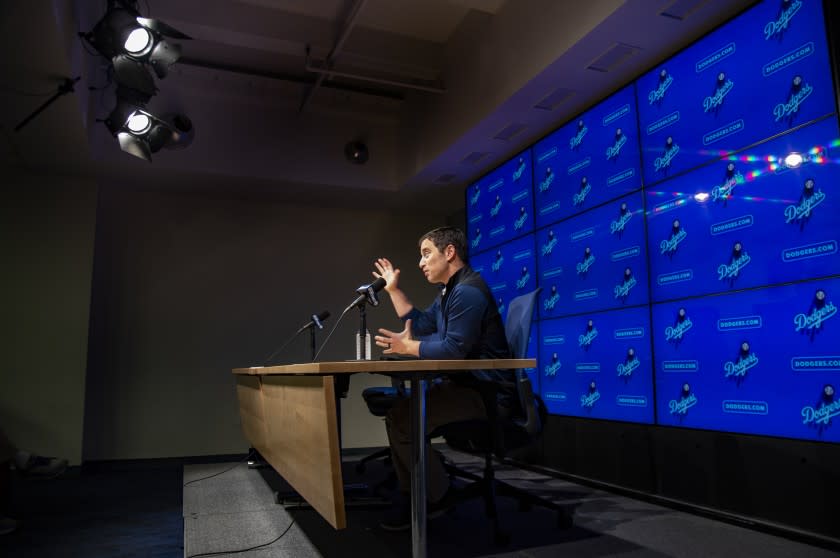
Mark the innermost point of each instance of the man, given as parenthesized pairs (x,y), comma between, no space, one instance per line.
(462,323)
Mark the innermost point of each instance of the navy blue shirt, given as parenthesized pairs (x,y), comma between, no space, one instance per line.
(462,323)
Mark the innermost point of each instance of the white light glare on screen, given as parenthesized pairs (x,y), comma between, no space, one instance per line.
(793,160)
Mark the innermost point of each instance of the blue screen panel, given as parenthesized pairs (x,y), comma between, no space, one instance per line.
(760,74)
(509,270)
(593,159)
(594,261)
(758,362)
(598,365)
(749,220)
(500,205)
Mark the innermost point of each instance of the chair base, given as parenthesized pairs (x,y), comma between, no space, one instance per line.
(489,488)
(384,453)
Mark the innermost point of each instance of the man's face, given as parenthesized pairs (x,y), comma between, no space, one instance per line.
(433,263)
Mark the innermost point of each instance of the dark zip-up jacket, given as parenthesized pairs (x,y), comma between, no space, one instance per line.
(462,323)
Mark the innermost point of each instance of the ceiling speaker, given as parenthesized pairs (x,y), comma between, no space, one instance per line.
(356,152)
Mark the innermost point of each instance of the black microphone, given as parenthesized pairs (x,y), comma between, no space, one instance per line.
(368,293)
(316,321)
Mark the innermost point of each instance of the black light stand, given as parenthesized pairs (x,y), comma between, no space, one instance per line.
(312,343)
(63,89)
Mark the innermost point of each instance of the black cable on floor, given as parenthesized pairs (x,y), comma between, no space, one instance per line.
(280,536)
(251,453)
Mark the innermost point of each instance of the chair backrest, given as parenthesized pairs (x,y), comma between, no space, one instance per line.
(517,331)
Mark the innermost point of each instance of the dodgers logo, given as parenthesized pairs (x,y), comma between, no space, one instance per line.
(520,221)
(678,234)
(676,332)
(497,206)
(585,188)
(665,81)
(577,139)
(622,290)
(774,28)
(807,202)
(686,401)
(546,248)
(671,151)
(589,399)
(714,102)
(545,183)
(826,409)
(681,406)
(725,190)
(500,305)
(821,310)
(551,369)
(617,226)
(586,339)
(615,150)
(523,278)
(626,368)
(552,300)
(738,368)
(497,263)
(517,174)
(476,195)
(477,240)
(588,260)
(800,91)
(737,262)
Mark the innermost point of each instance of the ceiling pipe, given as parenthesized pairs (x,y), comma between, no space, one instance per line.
(349,23)
(401,84)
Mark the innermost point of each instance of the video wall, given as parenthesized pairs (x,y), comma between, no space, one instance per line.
(684,232)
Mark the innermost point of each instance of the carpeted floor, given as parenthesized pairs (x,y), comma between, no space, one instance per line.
(236,511)
(122,510)
(163,508)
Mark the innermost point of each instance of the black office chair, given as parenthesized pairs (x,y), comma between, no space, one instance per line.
(515,420)
(379,400)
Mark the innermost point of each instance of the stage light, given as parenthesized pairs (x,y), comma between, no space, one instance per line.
(701,196)
(138,42)
(131,42)
(139,123)
(141,133)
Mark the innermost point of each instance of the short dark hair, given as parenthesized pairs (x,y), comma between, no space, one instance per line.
(442,237)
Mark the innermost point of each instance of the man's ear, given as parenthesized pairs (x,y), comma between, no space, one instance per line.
(449,252)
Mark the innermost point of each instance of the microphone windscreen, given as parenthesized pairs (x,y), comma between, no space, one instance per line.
(378,285)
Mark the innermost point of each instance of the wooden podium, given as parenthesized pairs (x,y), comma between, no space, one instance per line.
(289,415)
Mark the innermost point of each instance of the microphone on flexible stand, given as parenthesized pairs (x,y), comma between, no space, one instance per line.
(316,321)
(368,294)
